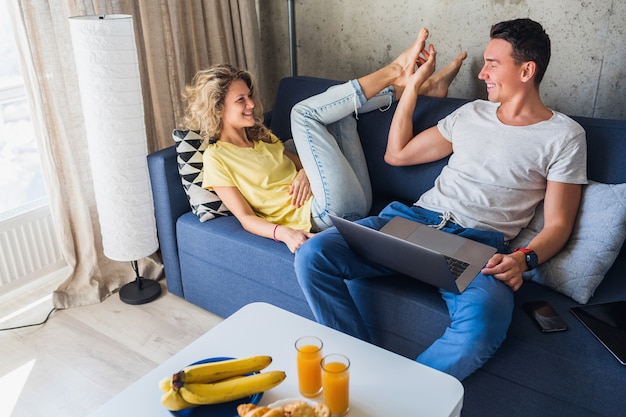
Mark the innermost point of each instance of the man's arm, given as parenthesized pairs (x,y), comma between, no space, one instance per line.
(402,147)
(426,146)
(560,209)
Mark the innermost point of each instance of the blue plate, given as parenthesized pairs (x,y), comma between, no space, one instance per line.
(228,409)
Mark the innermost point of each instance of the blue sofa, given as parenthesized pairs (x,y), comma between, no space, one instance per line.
(220,267)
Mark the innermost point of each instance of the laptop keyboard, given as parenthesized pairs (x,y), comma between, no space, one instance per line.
(457,266)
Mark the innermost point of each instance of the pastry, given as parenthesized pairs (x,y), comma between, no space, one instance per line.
(293,409)
(257,412)
(242,409)
(299,409)
(274,412)
(321,410)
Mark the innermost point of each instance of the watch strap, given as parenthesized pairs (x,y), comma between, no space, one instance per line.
(531,257)
(525,250)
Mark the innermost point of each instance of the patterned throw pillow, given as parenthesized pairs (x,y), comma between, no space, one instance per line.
(204,203)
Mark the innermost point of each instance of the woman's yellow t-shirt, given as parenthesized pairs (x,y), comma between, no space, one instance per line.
(262,174)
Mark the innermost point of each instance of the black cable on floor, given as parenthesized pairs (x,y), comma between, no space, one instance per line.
(30,325)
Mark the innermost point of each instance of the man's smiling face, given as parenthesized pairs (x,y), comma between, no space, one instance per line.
(500,72)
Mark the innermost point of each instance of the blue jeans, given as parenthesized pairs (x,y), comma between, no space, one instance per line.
(325,134)
(480,316)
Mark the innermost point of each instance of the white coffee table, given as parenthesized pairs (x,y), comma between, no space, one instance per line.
(382,383)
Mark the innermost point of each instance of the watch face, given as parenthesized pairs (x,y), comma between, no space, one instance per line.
(531,260)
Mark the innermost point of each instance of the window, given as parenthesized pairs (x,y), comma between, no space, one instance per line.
(29,249)
(21,178)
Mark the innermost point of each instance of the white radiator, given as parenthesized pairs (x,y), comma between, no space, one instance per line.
(29,248)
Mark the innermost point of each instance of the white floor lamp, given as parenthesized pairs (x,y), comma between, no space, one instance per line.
(110,88)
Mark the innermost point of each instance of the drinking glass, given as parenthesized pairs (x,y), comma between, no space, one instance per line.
(309,356)
(336,383)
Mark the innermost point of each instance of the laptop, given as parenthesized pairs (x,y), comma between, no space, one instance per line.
(438,258)
(607,322)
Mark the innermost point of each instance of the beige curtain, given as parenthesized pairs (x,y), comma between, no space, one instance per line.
(174,40)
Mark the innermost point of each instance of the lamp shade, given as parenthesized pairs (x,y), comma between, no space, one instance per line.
(112,102)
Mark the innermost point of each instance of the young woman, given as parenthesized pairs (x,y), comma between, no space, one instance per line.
(275,193)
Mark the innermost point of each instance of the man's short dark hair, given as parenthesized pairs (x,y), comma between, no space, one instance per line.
(529,40)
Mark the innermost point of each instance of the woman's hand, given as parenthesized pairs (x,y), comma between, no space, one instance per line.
(291,237)
(300,189)
(254,224)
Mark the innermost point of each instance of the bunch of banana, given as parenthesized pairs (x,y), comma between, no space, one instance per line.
(218,382)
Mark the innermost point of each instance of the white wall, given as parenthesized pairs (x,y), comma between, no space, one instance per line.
(343,39)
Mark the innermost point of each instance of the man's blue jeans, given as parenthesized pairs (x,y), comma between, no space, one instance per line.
(480,316)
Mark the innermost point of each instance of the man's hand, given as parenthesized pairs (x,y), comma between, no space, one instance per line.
(300,189)
(507,268)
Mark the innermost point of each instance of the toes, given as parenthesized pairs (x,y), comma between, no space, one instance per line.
(422,35)
(420,42)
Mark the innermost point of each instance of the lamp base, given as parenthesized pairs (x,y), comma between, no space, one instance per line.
(140,291)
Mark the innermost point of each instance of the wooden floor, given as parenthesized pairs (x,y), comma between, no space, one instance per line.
(82,357)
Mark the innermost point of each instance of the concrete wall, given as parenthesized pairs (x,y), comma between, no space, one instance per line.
(343,39)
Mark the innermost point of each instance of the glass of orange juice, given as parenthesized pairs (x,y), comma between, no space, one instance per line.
(309,350)
(336,383)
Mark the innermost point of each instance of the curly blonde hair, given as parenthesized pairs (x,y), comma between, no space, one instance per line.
(205,102)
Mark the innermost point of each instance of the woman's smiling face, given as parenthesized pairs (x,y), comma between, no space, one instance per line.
(238,106)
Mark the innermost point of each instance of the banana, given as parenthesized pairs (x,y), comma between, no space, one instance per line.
(165,384)
(216,371)
(232,389)
(173,401)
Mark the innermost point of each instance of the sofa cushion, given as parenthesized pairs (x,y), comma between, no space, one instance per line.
(237,267)
(594,245)
(189,148)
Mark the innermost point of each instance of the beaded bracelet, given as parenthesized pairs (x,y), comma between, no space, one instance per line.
(274,233)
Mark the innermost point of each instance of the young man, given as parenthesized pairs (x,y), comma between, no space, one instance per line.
(507,154)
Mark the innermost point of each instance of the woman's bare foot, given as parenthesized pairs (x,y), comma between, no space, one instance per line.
(396,73)
(437,85)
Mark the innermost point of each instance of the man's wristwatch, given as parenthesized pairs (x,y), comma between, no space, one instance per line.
(531,257)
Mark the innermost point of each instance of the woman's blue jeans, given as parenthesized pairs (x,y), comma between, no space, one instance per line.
(325,134)
(480,316)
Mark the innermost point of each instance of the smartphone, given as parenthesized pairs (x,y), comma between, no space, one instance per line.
(544,315)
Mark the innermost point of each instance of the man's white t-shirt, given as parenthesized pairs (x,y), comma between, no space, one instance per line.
(497,174)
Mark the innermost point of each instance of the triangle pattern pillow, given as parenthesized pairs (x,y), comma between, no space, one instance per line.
(189,149)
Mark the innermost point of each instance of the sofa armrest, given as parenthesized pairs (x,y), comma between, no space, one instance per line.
(170,202)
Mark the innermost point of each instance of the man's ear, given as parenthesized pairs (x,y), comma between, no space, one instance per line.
(529,69)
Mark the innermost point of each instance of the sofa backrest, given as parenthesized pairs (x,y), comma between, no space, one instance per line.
(606,149)
(292,90)
(388,182)
(402,183)
(606,139)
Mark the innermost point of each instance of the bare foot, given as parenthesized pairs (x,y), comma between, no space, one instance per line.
(408,60)
(438,84)
(400,71)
